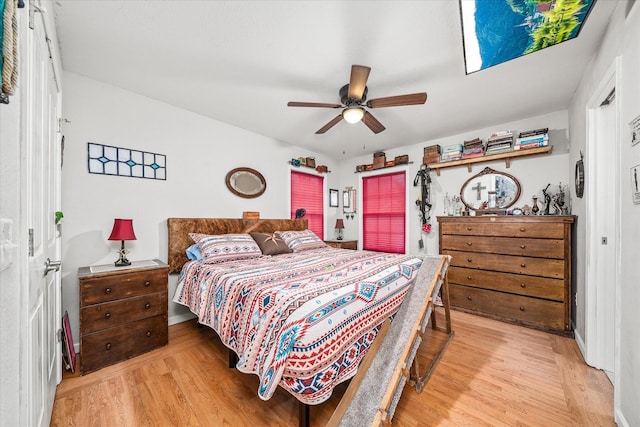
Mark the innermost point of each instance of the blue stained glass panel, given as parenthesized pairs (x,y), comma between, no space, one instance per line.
(108,160)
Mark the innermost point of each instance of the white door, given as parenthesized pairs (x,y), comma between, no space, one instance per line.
(42,106)
(602,228)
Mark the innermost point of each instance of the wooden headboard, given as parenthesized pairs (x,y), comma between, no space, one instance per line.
(179,229)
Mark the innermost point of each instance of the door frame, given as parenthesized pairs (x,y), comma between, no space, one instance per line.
(595,330)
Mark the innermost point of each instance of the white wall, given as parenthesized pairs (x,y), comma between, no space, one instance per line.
(199,153)
(622,39)
(534,173)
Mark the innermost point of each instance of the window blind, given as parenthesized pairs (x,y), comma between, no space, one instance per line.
(307,191)
(384,212)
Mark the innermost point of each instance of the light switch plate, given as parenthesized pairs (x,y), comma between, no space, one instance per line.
(6,243)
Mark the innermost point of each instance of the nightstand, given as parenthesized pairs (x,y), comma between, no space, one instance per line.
(123,312)
(343,244)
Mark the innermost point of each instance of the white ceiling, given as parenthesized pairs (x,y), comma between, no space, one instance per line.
(240,62)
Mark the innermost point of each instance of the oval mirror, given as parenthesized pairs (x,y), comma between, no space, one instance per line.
(246,182)
(486,186)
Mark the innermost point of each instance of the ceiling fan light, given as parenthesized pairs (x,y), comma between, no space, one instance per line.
(353,114)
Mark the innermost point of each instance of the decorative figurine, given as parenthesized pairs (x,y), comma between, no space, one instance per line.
(547,200)
(535,209)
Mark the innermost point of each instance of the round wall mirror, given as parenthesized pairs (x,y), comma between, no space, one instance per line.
(246,182)
(498,189)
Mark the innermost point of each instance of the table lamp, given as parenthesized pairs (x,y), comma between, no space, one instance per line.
(122,230)
(339,227)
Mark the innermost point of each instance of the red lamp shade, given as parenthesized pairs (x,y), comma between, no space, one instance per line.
(339,224)
(122,230)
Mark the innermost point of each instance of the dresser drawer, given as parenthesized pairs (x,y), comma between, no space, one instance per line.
(517,308)
(542,248)
(112,345)
(533,286)
(511,264)
(99,289)
(512,229)
(110,314)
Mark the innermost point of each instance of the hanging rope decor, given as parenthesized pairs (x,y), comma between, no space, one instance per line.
(9,50)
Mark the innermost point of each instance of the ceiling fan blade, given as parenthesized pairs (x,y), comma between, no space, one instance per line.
(358,81)
(372,123)
(312,104)
(399,100)
(329,125)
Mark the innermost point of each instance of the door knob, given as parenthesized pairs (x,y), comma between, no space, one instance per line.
(51,266)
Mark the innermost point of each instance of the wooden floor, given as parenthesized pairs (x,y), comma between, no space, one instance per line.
(492,374)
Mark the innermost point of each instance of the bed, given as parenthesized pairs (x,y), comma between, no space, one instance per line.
(302,320)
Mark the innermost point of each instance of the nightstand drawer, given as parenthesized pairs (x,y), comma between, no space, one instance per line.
(112,345)
(110,314)
(122,285)
(343,244)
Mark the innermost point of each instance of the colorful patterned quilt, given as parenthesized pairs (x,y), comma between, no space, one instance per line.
(304,320)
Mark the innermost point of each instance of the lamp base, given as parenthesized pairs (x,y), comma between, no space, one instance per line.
(122,261)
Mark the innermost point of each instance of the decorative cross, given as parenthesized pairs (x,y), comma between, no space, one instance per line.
(479,189)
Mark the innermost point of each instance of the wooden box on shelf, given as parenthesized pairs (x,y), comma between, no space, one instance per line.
(123,312)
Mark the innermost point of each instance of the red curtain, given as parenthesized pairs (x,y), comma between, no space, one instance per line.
(307,192)
(383,212)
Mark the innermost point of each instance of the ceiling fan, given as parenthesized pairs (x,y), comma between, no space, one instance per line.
(354,98)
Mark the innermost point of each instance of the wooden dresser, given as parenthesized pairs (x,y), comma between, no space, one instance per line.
(343,244)
(123,312)
(512,268)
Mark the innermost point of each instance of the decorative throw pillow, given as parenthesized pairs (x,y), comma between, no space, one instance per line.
(271,243)
(301,240)
(193,253)
(226,247)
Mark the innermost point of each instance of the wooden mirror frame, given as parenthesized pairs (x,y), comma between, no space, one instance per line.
(489,171)
(246,193)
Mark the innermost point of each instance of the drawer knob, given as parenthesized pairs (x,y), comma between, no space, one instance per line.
(521,308)
(523,246)
(148,333)
(107,315)
(107,291)
(523,229)
(108,346)
(469,298)
(147,306)
(522,285)
(523,265)
(469,228)
(469,243)
(469,277)
(469,260)
(147,284)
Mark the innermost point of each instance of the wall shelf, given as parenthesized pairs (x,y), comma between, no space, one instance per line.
(489,158)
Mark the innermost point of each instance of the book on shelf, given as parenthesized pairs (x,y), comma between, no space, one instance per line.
(472,155)
(533,132)
(451,148)
(535,138)
(499,150)
(528,145)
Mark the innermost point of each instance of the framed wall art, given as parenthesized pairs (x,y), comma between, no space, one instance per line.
(333,198)
(497,31)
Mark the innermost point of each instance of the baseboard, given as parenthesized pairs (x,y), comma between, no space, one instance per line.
(620,420)
(179,318)
(581,346)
